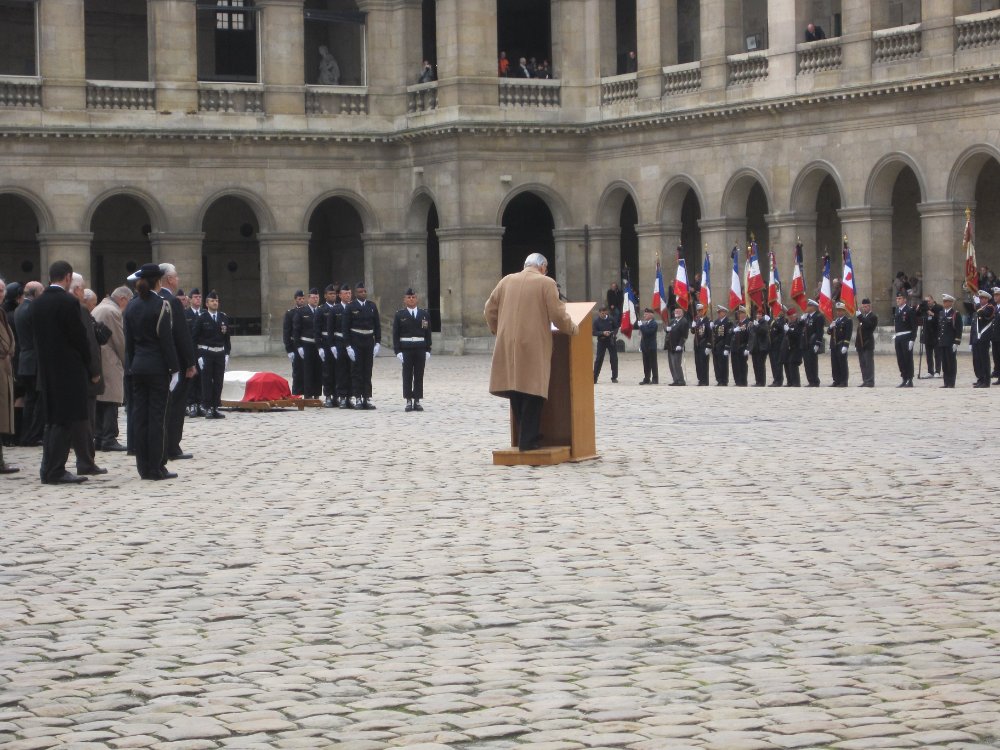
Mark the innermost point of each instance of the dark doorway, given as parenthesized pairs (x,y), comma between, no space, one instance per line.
(117,47)
(524,29)
(231,262)
(829,238)
(19,250)
(227,42)
(629,242)
(528,226)
(986,219)
(429,33)
(757,227)
(906,234)
(625,36)
(433,269)
(120,245)
(688,31)
(691,233)
(336,251)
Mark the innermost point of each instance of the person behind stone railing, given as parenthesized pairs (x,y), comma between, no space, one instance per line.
(329,70)
(631,63)
(503,65)
(426,73)
(522,70)
(814,33)
(544,71)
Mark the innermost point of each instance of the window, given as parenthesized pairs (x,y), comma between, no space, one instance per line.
(334,43)
(227,41)
(18,38)
(117,40)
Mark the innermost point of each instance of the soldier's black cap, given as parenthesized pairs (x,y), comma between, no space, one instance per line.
(901,293)
(345,287)
(866,301)
(314,290)
(330,288)
(212,295)
(195,291)
(300,293)
(409,292)
(180,293)
(648,310)
(360,285)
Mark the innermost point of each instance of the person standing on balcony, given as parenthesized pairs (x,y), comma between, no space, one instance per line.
(814,33)
(503,65)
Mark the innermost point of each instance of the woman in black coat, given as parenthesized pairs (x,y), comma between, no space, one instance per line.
(151,362)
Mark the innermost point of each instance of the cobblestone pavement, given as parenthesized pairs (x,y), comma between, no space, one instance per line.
(742,569)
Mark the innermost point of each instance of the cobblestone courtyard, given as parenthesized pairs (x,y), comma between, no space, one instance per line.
(742,569)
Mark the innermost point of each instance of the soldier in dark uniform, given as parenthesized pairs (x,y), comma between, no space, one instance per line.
(289,342)
(647,346)
(702,329)
(760,343)
(364,335)
(948,337)
(776,333)
(791,347)
(740,347)
(211,336)
(927,316)
(721,328)
(605,328)
(677,333)
(304,339)
(864,342)
(812,345)
(177,403)
(840,339)
(981,336)
(321,322)
(904,318)
(338,348)
(411,340)
(996,337)
(191,313)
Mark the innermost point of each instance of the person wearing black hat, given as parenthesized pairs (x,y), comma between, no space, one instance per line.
(647,345)
(338,349)
(996,337)
(775,334)
(363,331)
(304,340)
(191,313)
(324,344)
(154,369)
(411,340)
(212,337)
(289,342)
(864,342)
(722,330)
(760,343)
(740,347)
(701,327)
(605,328)
(814,342)
(791,347)
(904,317)
(948,337)
(186,357)
(677,333)
(981,335)
(840,340)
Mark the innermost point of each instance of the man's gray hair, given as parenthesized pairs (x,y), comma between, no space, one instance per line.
(32,289)
(535,259)
(77,280)
(122,292)
(169,269)
(89,294)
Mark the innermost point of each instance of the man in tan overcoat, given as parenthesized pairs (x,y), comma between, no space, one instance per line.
(109,312)
(521,312)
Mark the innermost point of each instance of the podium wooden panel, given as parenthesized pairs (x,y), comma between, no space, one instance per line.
(568,427)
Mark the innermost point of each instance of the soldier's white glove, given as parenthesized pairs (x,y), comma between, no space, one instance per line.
(787,328)
(725,352)
(678,348)
(378,348)
(954,347)
(712,324)
(350,353)
(857,313)
(707,352)
(227,360)
(291,356)
(334,352)
(970,348)
(322,354)
(767,318)
(201,363)
(427,356)
(174,380)
(302,352)
(909,345)
(399,356)
(816,348)
(746,352)
(843,350)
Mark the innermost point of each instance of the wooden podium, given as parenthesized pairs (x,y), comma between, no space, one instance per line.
(567,428)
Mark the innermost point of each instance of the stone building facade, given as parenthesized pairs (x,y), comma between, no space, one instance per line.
(212,136)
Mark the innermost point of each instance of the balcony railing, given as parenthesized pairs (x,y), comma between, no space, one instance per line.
(527,92)
(682,79)
(336,100)
(20,92)
(422,97)
(977,30)
(815,57)
(747,67)
(621,88)
(900,43)
(224,97)
(120,95)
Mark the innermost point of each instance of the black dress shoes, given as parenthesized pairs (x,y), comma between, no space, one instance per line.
(160,475)
(8,469)
(409,405)
(180,457)
(67,478)
(416,405)
(112,448)
(91,471)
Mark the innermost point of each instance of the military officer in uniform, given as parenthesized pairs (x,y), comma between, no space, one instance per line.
(904,318)
(948,337)
(760,343)
(927,315)
(304,339)
(605,328)
(289,342)
(791,347)
(996,337)
(677,333)
(776,333)
(702,329)
(191,313)
(211,337)
(981,336)
(812,346)
(321,322)
(740,349)
(411,340)
(840,339)
(647,346)
(363,330)
(864,342)
(338,348)
(721,328)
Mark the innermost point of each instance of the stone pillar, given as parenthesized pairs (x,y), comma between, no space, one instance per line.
(721,29)
(719,235)
(284,262)
(571,263)
(656,241)
(282,30)
(869,233)
(576,51)
(394,47)
(183,249)
(937,38)
(942,224)
(785,230)
(470,268)
(72,247)
(856,42)
(62,55)
(782,34)
(605,259)
(652,35)
(467,53)
(173,61)
(666,17)
(389,269)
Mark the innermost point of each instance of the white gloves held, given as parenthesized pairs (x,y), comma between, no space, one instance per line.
(322,354)
(954,347)
(427,356)
(843,350)
(378,348)
(302,352)
(816,348)
(227,360)
(678,348)
(746,352)
(909,345)
(291,356)
(201,363)
(399,356)
(350,353)
(334,352)
(174,380)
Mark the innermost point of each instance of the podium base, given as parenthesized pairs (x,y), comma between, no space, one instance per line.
(547,456)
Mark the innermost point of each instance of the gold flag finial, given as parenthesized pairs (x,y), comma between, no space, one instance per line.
(753,238)
(845,238)
(968,213)
(797,239)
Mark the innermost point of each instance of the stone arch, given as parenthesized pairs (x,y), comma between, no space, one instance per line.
(673,196)
(878,191)
(420,203)
(364,209)
(807,184)
(609,207)
(46,223)
(557,205)
(265,217)
(965,172)
(157,217)
(734,197)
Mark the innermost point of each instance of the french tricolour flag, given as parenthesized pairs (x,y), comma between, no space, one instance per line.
(659,293)
(774,289)
(681,293)
(848,294)
(755,282)
(629,316)
(736,286)
(705,293)
(798,280)
(826,291)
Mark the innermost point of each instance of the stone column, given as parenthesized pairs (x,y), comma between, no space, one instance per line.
(856,42)
(282,30)
(782,34)
(173,61)
(656,241)
(62,55)
(389,269)
(284,261)
(571,263)
(72,247)
(467,52)
(183,249)
(652,36)
(721,29)
(394,47)
(937,38)
(605,259)
(470,268)
(576,51)
(785,230)
(869,233)
(942,224)
(719,235)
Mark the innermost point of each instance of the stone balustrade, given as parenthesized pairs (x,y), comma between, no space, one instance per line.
(20,92)
(682,79)
(224,97)
(900,43)
(977,30)
(815,57)
(527,92)
(120,95)
(619,88)
(422,97)
(747,67)
(336,100)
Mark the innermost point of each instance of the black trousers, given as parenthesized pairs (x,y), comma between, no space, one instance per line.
(933,354)
(528,411)
(949,364)
(650,368)
(149,411)
(107,424)
(721,364)
(740,369)
(777,372)
(838,366)
(213,375)
(361,369)
(176,411)
(904,357)
(996,358)
(792,374)
(413,372)
(810,362)
(606,344)
(866,359)
(296,375)
(33,416)
(981,361)
(759,367)
(194,389)
(312,372)
(701,364)
(57,439)
(329,373)
(343,370)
